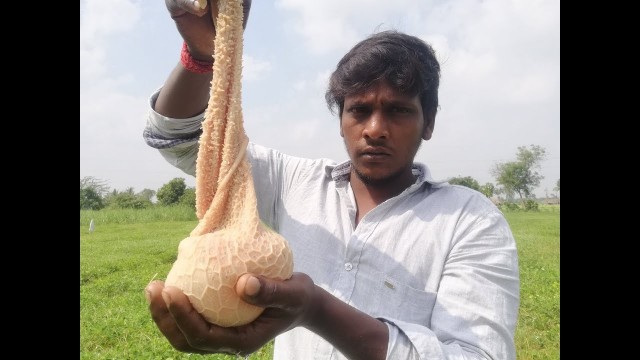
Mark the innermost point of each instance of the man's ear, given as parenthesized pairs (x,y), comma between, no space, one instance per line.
(341,132)
(430,122)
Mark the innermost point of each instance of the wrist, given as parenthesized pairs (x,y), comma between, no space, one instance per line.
(193,64)
(316,311)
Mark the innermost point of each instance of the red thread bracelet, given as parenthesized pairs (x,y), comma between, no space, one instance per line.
(193,65)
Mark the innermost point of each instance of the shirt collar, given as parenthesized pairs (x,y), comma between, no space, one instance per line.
(340,173)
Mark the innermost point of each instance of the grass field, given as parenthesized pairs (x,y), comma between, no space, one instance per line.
(130,247)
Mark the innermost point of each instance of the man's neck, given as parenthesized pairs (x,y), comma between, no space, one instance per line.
(368,196)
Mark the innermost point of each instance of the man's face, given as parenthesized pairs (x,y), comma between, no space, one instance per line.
(382,131)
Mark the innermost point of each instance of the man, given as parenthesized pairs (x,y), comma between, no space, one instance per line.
(388,263)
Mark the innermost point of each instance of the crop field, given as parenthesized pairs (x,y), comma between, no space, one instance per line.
(129,248)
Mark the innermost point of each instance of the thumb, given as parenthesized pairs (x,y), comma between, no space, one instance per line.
(258,290)
(248,286)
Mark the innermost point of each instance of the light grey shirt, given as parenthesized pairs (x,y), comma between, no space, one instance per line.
(437,263)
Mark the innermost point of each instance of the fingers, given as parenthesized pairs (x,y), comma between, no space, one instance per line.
(163,318)
(189,322)
(184,328)
(187,331)
(195,7)
(199,335)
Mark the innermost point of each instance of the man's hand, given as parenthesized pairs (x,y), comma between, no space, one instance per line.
(287,304)
(196,25)
(290,303)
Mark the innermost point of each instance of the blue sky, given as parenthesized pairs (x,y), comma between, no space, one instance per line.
(500,84)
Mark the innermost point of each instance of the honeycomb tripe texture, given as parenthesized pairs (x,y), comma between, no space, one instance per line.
(230,239)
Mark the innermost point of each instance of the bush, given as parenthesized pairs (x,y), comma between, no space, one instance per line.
(188,198)
(526,205)
(171,192)
(530,205)
(510,206)
(124,201)
(90,199)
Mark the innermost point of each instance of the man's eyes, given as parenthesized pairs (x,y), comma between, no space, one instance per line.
(358,109)
(402,110)
(362,110)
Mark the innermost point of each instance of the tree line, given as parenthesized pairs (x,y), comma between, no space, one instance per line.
(96,195)
(514,180)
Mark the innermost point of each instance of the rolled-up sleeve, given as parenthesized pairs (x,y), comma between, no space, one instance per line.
(176,139)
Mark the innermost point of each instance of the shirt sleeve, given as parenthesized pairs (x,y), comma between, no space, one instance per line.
(176,139)
(476,310)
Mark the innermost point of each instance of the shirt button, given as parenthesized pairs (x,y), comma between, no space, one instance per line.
(348,266)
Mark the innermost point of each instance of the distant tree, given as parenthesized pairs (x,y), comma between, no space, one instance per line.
(147,194)
(99,186)
(126,199)
(171,192)
(521,176)
(188,198)
(498,191)
(488,190)
(110,195)
(557,188)
(92,192)
(467,181)
(90,199)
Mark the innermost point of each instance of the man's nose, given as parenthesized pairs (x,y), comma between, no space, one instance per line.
(377,126)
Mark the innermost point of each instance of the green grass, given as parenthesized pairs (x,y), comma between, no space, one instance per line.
(538,238)
(130,247)
(133,216)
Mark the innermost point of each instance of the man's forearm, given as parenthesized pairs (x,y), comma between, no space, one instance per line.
(184,94)
(354,333)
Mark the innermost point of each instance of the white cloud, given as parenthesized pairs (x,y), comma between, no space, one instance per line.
(98,20)
(92,63)
(322,80)
(336,24)
(500,70)
(111,119)
(254,69)
(499,88)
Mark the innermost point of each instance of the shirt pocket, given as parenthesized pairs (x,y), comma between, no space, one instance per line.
(383,296)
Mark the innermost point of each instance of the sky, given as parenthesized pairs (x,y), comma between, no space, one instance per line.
(499,87)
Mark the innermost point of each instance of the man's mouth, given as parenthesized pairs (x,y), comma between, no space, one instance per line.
(375,153)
